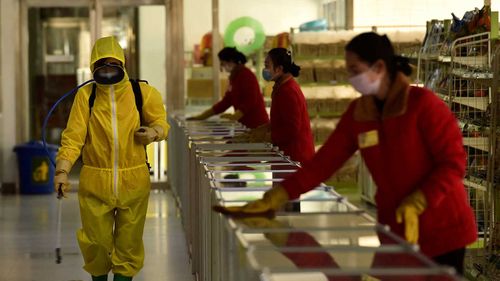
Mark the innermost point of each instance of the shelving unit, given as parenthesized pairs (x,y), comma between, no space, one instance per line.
(491,266)
(464,73)
(470,57)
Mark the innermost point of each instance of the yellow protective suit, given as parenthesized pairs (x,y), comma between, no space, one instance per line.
(114,180)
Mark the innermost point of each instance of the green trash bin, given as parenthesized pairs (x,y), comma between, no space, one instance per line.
(36,172)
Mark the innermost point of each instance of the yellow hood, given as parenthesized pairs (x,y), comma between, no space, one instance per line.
(106,47)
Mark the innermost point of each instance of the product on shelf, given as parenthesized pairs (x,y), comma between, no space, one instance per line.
(324,71)
(315,25)
(436,35)
(473,22)
(306,72)
(330,49)
(306,50)
(323,128)
(328,101)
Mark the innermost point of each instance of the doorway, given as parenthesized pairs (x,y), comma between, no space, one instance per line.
(60,40)
(57,45)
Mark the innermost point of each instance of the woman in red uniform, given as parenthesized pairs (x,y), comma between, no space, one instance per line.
(412,146)
(290,127)
(243,93)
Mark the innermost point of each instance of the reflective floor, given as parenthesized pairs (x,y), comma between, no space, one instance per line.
(28,237)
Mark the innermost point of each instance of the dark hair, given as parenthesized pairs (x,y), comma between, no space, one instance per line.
(232,54)
(283,57)
(371,47)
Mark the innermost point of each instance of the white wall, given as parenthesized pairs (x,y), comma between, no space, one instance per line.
(152,23)
(279,15)
(410,12)
(197,21)
(275,15)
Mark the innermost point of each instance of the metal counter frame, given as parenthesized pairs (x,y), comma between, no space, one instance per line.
(201,153)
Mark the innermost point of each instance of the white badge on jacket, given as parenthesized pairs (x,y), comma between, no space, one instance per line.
(368,139)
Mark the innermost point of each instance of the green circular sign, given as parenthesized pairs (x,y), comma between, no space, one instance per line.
(246,34)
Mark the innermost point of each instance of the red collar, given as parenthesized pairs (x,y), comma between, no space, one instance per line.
(237,69)
(282,80)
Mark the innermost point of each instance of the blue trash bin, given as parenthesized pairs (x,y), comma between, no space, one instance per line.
(36,172)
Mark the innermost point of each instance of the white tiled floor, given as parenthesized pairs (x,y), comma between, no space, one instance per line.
(28,236)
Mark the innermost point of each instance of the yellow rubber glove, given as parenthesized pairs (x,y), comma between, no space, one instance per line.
(366,277)
(63,167)
(204,115)
(279,238)
(272,201)
(147,135)
(235,117)
(260,134)
(243,138)
(408,211)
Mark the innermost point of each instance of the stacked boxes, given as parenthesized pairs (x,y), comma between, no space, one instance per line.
(321,63)
(324,71)
(340,70)
(306,50)
(306,72)
(330,71)
(331,107)
(321,49)
(328,101)
(312,107)
(322,128)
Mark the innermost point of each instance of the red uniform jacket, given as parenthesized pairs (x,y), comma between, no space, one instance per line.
(419,146)
(244,94)
(290,124)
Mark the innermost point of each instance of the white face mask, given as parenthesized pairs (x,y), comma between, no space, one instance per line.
(228,68)
(363,84)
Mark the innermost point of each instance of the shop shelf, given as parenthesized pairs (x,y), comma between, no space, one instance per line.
(475,185)
(480,143)
(480,103)
(476,76)
(472,61)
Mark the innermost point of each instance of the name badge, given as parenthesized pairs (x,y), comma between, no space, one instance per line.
(368,139)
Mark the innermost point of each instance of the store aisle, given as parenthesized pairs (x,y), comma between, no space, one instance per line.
(28,235)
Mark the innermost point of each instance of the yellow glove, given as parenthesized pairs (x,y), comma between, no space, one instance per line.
(235,117)
(409,210)
(147,135)
(63,167)
(272,201)
(204,115)
(366,277)
(194,118)
(260,134)
(277,238)
(228,116)
(243,138)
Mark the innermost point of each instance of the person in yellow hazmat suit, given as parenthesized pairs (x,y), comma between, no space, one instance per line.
(114,180)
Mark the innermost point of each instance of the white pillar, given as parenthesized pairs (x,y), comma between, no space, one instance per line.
(175,54)
(10,131)
(215,50)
